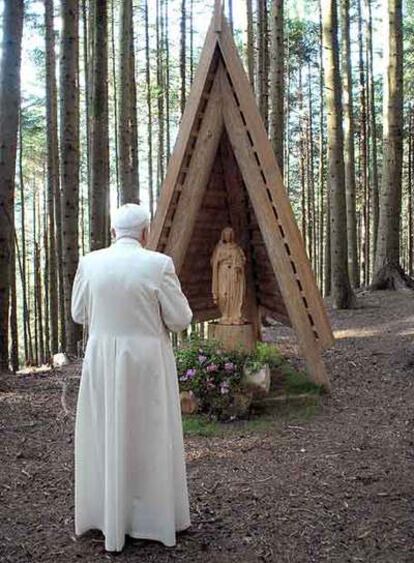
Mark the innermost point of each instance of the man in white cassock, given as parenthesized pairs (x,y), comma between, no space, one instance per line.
(130,474)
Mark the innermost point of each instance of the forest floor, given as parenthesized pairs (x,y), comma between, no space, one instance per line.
(335,484)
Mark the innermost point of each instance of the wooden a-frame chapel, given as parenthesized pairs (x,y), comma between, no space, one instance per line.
(223,172)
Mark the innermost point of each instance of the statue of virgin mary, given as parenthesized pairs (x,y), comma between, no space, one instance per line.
(229,286)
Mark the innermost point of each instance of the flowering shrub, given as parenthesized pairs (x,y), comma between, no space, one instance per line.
(215,376)
(212,374)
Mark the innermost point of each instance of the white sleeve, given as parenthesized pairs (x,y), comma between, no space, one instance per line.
(79,296)
(175,310)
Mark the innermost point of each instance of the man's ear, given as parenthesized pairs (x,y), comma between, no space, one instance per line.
(145,236)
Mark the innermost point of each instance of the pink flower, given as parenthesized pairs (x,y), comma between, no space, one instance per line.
(229,366)
(224,387)
(202,359)
(191,373)
(212,367)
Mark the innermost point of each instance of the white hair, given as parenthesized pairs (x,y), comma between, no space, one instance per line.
(130,220)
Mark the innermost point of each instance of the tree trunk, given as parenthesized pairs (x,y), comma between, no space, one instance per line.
(277,81)
(410,192)
(86,28)
(14,351)
(323,264)
(9,118)
(372,122)
(115,100)
(302,156)
(46,277)
(69,147)
(28,351)
(342,294)
(127,132)
(364,149)
(312,219)
(263,61)
(250,43)
(37,282)
(231,17)
(52,171)
(166,42)
(149,110)
(160,99)
(191,41)
(183,33)
(349,150)
(388,273)
(99,227)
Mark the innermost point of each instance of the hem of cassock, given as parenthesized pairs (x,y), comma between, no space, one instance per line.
(136,536)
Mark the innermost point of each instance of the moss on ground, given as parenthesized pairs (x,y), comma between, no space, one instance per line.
(286,413)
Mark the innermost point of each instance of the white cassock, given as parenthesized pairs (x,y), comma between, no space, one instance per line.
(129,454)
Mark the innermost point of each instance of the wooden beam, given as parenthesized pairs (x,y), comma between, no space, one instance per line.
(270,231)
(196,180)
(184,136)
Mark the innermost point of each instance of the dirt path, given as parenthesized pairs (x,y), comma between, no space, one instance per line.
(336,487)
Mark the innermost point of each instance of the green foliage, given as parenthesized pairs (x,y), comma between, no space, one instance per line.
(291,413)
(268,354)
(211,373)
(200,425)
(296,382)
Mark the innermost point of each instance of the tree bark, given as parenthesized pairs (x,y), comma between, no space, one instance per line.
(388,273)
(14,351)
(263,61)
(277,81)
(69,147)
(160,100)
(166,42)
(372,122)
(99,228)
(115,100)
(349,150)
(46,276)
(28,350)
(149,110)
(128,131)
(9,118)
(342,294)
(183,33)
(250,43)
(325,280)
(364,151)
(410,192)
(52,171)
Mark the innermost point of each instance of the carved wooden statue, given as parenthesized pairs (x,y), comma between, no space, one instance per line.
(229,284)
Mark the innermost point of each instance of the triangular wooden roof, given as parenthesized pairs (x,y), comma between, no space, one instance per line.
(223,172)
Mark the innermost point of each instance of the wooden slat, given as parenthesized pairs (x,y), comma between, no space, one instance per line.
(197,179)
(275,183)
(184,135)
(271,234)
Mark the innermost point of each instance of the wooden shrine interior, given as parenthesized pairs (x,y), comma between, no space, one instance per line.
(226,203)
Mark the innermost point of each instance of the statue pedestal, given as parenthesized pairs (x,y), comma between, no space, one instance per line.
(233,337)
